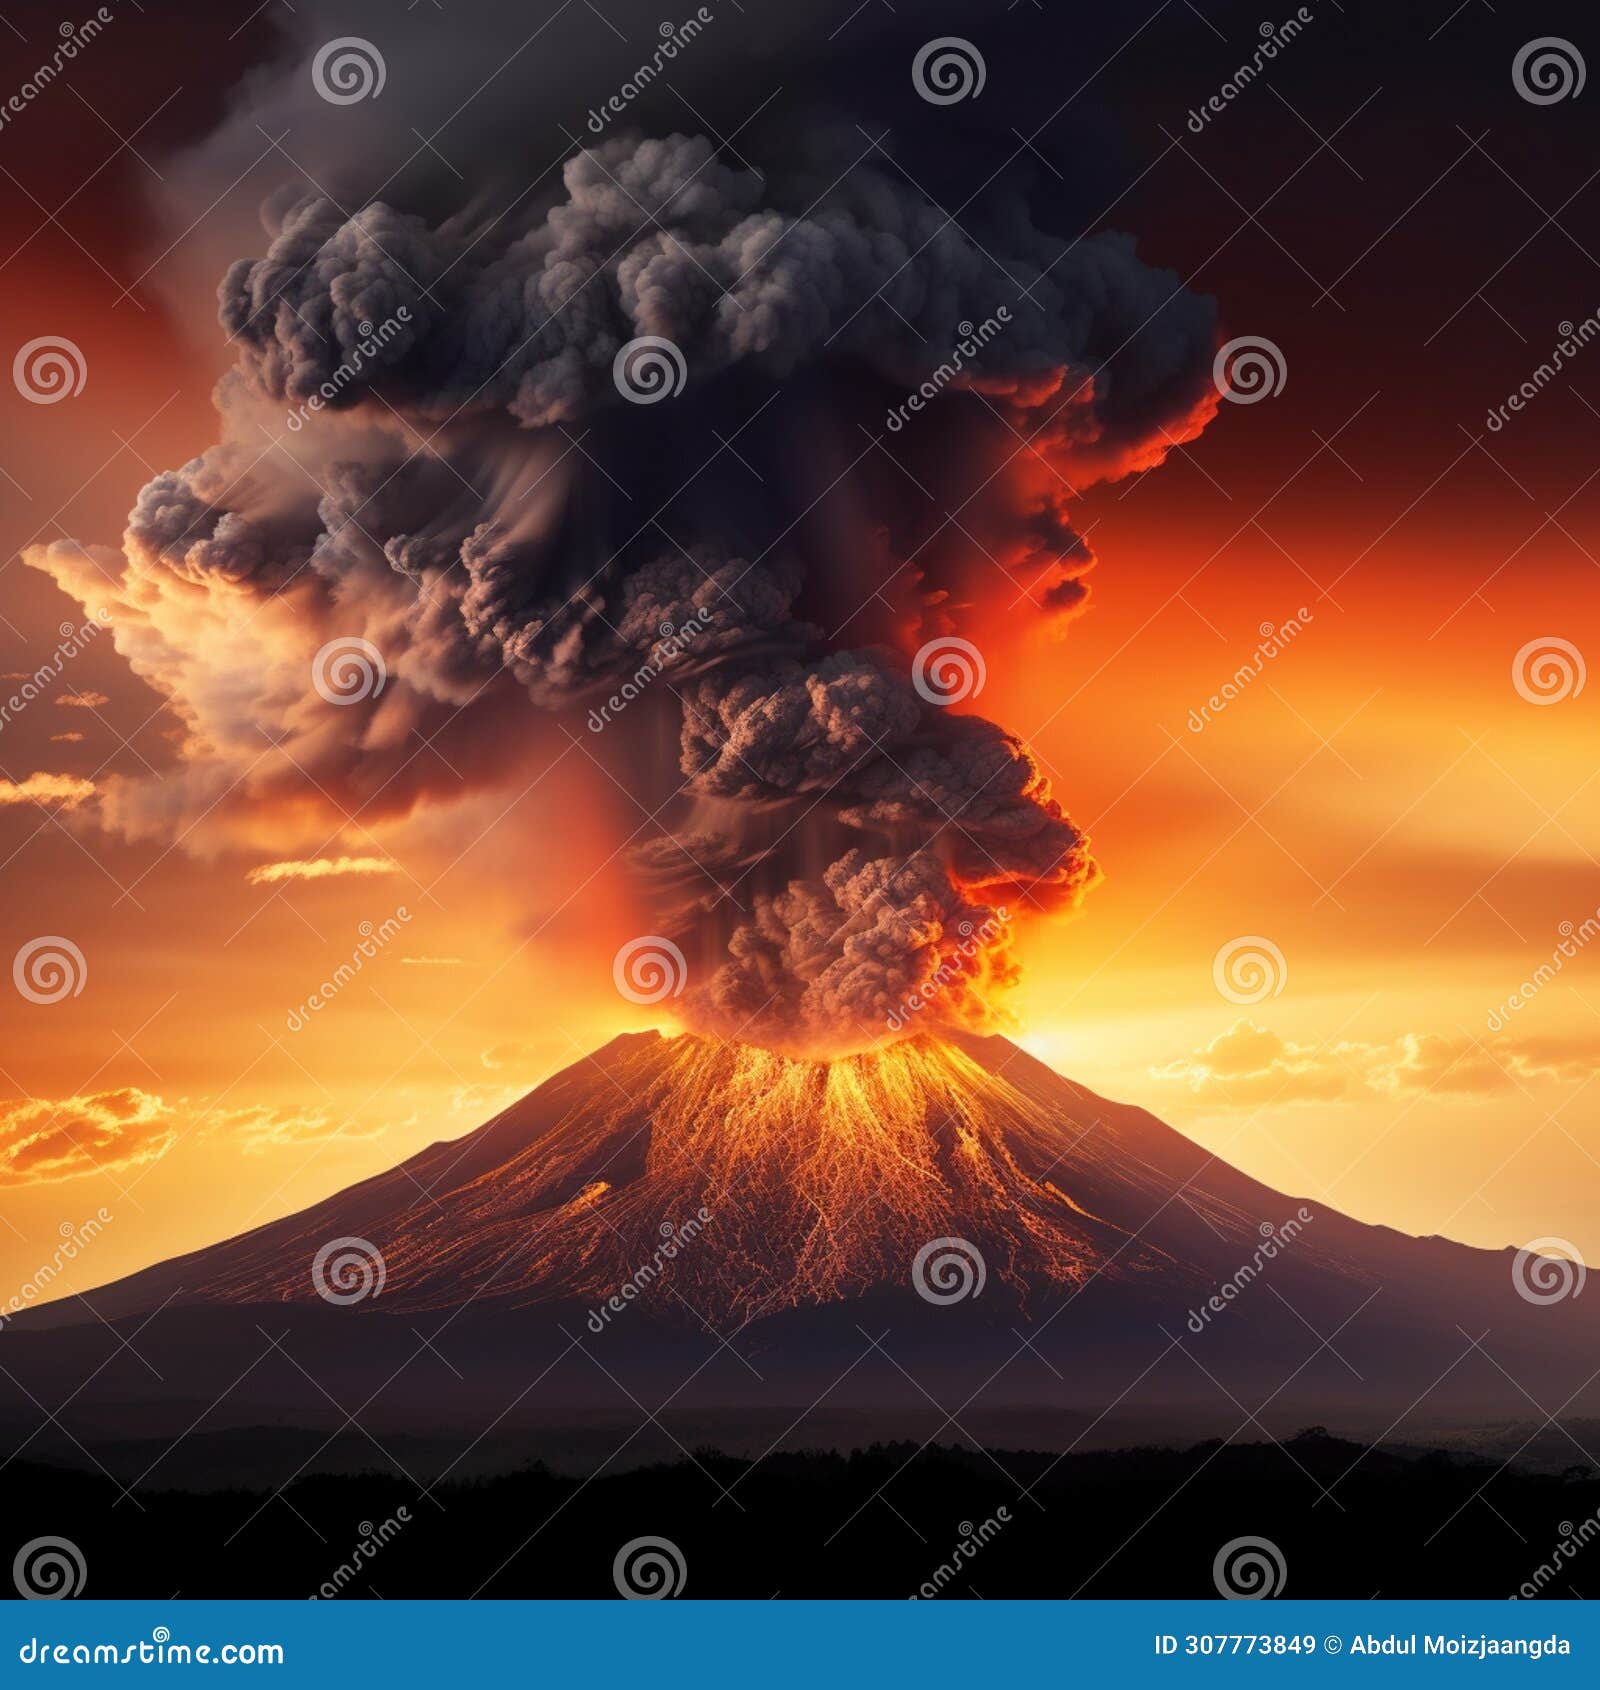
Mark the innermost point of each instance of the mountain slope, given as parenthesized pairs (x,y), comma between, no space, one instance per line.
(683,1221)
(817,1182)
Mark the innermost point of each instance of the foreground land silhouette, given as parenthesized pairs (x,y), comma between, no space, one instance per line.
(879,1522)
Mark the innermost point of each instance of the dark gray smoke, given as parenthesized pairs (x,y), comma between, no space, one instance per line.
(747,520)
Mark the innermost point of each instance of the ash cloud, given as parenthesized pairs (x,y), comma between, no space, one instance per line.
(472,492)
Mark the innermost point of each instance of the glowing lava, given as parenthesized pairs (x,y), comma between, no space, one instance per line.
(726,1182)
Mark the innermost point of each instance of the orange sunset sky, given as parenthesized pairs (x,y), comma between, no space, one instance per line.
(1381,803)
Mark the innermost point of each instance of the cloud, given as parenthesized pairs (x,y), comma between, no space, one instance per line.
(65,739)
(320,868)
(259,1127)
(82,700)
(510,1055)
(43,1140)
(100,1131)
(1248,1066)
(41,788)
(833,842)
(433,961)
(483,1101)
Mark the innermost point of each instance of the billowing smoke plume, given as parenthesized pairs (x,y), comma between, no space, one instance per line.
(739,443)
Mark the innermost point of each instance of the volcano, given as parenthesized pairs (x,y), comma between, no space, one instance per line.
(713,1239)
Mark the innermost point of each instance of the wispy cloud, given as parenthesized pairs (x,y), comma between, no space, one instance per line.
(42,1140)
(1248,1066)
(82,700)
(319,868)
(434,961)
(258,1127)
(511,1055)
(41,788)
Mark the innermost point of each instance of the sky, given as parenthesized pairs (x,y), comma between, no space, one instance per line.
(1394,810)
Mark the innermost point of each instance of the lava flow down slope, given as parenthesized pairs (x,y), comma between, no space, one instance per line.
(688,1227)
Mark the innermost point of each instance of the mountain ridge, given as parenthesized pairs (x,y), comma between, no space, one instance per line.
(502,1149)
(951,1222)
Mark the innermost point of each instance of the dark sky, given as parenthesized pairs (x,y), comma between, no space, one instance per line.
(1382,204)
